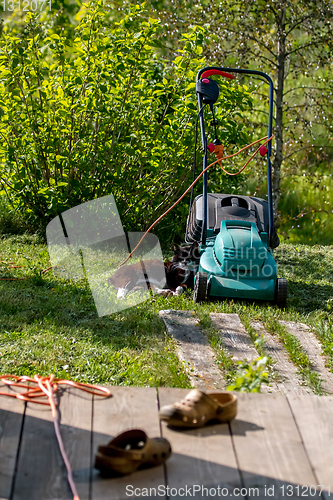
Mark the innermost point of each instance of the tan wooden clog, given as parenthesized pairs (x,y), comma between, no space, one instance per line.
(199,407)
(131,450)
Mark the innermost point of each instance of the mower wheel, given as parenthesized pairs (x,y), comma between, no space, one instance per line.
(281,292)
(200,287)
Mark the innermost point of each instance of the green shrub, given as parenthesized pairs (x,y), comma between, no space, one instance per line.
(102,113)
(250,376)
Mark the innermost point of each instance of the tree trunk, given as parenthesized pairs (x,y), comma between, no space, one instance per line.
(278,157)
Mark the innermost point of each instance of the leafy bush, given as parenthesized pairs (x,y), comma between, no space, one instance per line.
(101,113)
(250,376)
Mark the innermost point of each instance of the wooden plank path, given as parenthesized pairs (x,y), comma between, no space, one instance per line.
(278,446)
(199,360)
(235,338)
(237,342)
(288,379)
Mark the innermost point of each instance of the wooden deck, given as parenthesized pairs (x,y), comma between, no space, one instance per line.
(278,446)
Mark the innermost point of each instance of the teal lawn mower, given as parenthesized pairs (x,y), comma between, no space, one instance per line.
(236,233)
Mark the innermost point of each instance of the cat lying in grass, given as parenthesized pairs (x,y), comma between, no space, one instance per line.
(164,278)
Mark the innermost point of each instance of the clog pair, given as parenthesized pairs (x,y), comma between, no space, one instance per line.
(134,449)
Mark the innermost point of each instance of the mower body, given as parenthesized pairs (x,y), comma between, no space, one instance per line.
(230,275)
(237,255)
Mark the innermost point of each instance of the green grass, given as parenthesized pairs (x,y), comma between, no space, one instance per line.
(50,325)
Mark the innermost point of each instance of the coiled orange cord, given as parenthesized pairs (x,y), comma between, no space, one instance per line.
(219,160)
(48,386)
(10,267)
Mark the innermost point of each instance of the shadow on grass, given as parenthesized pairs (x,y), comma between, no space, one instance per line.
(71,305)
(308,297)
(54,328)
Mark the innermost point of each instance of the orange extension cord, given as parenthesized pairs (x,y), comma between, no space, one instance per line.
(10,267)
(48,386)
(196,180)
(266,139)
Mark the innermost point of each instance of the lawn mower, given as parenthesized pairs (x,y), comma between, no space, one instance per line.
(236,233)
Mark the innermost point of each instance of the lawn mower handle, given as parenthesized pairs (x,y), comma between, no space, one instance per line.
(215,70)
(210,72)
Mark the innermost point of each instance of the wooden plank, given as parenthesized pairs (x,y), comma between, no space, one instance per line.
(129,408)
(235,338)
(11,420)
(202,458)
(238,342)
(41,473)
(269,449)
(76,431)
(312,346)
(193,349)
(288,379)
(313,417)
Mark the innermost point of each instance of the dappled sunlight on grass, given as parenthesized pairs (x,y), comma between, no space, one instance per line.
(49,324)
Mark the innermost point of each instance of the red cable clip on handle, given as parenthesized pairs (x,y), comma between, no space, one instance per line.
(209,72)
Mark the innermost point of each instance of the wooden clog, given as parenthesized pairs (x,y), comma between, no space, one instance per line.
(131,450)
(198,408)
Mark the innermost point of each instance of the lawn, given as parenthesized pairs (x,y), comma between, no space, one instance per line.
(50,325)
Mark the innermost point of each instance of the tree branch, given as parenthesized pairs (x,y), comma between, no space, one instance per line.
(304,149)
(297,23)
(261,56)
(301,47)
(254,39)
(274,11)
(307,105)
(303,87)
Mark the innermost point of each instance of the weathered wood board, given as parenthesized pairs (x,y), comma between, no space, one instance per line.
(278,446)
(193,349)
(237,341)
(269,448)
(129,408)
(40,472)
(235,338)
(315,424)
(312,346)
(288,379)
(76,408)
(201,457)
(11,420)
